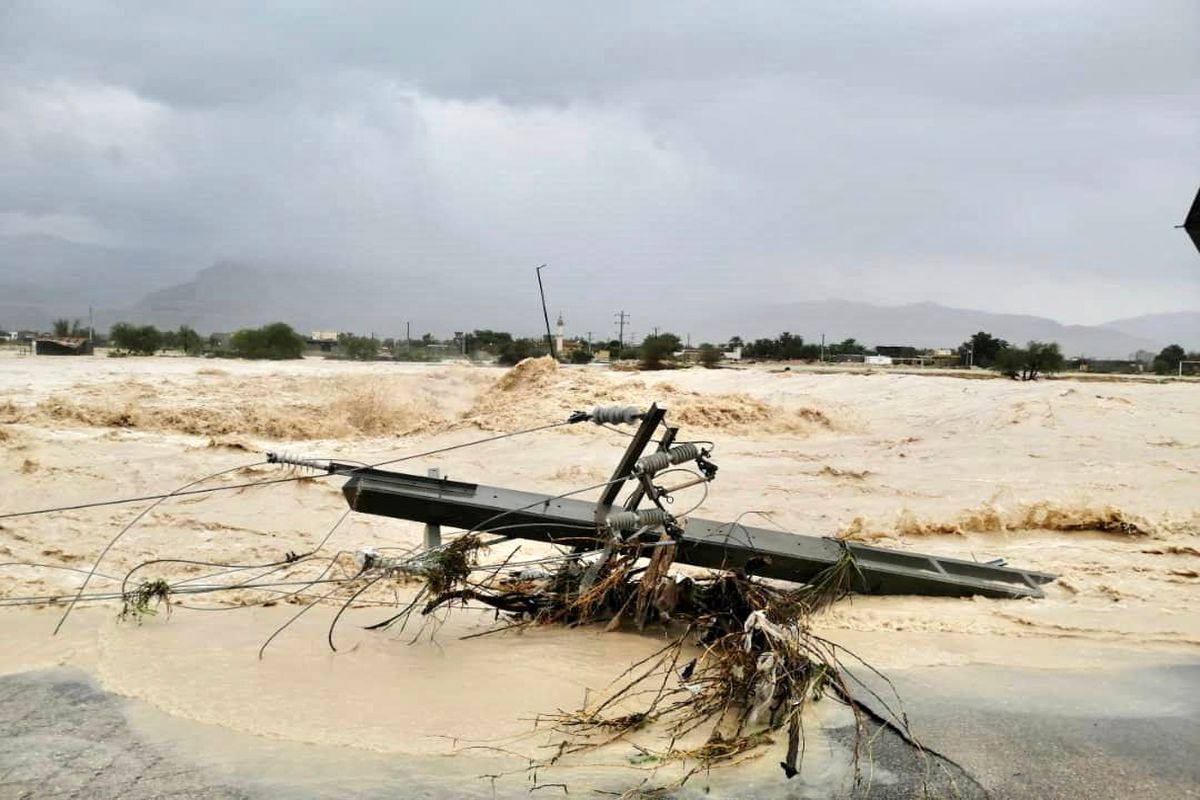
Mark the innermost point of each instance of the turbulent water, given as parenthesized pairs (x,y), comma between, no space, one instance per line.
(1095,482)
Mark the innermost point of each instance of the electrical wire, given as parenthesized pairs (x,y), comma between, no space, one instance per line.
(269,482)
(130,525)
(187,489)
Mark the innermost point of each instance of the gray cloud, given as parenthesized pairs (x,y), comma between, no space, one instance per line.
(675,159)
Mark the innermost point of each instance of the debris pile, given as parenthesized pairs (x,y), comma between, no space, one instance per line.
(741,663)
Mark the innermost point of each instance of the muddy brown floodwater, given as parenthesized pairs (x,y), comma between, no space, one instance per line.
(1097,482)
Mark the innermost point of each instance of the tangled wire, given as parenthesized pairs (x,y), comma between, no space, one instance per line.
(759,665)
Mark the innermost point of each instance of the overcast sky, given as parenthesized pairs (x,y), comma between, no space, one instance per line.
(1019,157)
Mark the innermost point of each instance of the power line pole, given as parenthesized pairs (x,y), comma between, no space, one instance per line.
(545,313)
(622,318)
(589,333)
(822,348)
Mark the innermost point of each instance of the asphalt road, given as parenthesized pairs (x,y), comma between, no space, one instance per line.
(1011,733)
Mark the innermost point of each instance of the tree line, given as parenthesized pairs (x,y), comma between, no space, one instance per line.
(659,351)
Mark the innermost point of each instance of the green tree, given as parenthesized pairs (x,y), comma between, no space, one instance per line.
(189,341)
(1167,361)
(359,348)
(784,347)
(489,340)
(520,349)
(710,356)
(847,347)
(62,327)
(1027,363)
(982,349)
(143,340)
(581,356)
(276,341)
(656,350)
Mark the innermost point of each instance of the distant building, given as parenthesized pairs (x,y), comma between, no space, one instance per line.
(324,336)
(1106,366)
(62,346)
(896,351)
(559,328)
(878,361)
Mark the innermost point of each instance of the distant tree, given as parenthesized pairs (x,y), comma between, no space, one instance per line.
(170,340)
(1167,361)
(735,342)
(581,356)
(489,340)
(276,341)
(427,339)
(982,349)
(143,340)
(190,342)
(656,350)
(64,327)
(520,349)
(847,347)
(710,356)
(1028,362)
(359,348)
(784,347)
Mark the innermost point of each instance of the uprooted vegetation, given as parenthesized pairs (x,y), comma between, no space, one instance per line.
(143,600)
(741,664)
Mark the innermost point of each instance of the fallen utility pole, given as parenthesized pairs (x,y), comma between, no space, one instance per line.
(699,542)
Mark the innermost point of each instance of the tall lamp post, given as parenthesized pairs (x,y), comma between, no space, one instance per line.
(545,313)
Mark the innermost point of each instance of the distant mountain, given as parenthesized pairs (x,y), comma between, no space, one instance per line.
(929,325)
(1181,327)
(45,277)
(231,295)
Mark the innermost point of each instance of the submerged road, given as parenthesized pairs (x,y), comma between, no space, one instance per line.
(1017,733)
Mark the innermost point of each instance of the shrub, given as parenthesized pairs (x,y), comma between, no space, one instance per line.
(276,341)
(710,356)
(360,348)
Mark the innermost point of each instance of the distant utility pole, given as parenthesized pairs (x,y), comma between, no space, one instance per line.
(822,348)
(655,331)
(622,318)
(589,333)
(407,336)
(545,313)
(92,328)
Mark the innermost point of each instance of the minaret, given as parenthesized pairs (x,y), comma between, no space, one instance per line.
(558,336)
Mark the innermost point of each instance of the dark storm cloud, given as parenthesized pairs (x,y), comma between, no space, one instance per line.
(1018,157)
